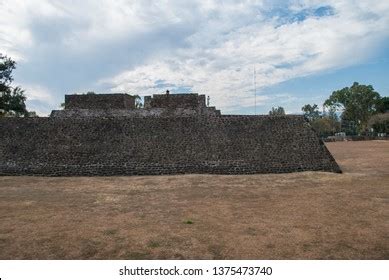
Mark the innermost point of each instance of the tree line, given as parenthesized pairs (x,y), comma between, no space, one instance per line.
(358,109)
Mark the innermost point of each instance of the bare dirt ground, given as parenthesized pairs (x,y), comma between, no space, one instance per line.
(309,215)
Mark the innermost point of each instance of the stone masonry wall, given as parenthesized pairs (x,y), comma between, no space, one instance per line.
(99,101)
(156,112)
(156,145)
(180,100)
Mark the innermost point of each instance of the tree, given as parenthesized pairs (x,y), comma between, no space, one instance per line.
(325,124)
(277,111)
(380,123)
(12,99)
(357,104)
(383,105)
(311,112)
(7,65)
(12,102)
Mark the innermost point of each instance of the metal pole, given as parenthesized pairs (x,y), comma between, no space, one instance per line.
(255,92)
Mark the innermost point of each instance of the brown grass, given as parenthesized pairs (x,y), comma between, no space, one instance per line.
(309,215)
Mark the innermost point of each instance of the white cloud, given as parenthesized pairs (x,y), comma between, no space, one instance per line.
(221,63)
(38,97)
(37,92)
(209,46)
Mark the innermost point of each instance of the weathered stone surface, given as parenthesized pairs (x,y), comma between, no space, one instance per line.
(155,112)
(99,101)
(160,145)
(173,101)
(123,105)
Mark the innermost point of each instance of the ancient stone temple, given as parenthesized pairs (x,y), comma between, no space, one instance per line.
(123,105)
(113,101)
(105,134)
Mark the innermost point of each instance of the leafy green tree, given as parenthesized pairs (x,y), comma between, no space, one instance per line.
(277,111)
(325,124)
(357,103)
(311,112)
(380,123)
(12,102)
(12,99)
(383,105)
(332,114)
(7,65)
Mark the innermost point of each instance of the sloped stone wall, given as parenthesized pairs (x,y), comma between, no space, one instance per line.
(156,145)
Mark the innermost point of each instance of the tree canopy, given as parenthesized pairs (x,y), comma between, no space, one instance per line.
(383,105)
(357,103)
(311,112)
(12,99)
(7,65)
(380,123)
(277,111)
(324,123)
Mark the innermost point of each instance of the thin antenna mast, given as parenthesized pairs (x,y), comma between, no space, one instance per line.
(255,91)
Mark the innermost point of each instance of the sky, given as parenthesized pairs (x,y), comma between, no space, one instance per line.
(300,51)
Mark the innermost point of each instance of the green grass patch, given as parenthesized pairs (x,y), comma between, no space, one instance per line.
(153,244)
(110,231)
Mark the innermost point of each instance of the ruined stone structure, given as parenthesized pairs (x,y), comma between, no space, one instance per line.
(173,134)
(100,101)
(123,105)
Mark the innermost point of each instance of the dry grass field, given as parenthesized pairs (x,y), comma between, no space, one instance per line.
(309,215)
